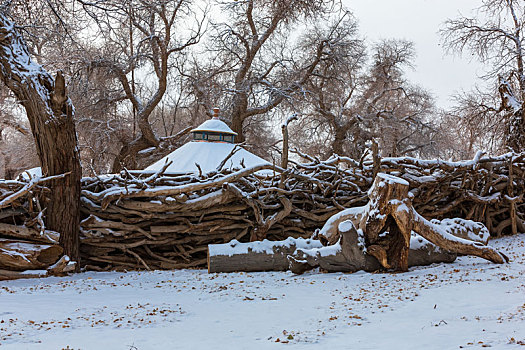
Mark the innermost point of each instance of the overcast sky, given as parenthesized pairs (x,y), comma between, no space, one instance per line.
(419,21)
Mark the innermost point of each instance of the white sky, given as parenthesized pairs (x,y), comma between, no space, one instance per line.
(419,21)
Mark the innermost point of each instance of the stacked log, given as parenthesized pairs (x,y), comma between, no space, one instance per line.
(140,220)
(145,220)
(387,233)
(486,189)
(27,248)
(167,221)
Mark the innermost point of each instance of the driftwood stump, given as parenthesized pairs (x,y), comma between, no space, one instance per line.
(389,219)
(255,256)
(300,255)
(348,255)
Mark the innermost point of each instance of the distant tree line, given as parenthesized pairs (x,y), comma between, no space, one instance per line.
(139,73)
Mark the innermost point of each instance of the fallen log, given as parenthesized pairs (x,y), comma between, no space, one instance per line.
(255,256)
(13,275)
(24,255)
(62,266)
(292,254)
(27,233)
(377,235)
(389,218)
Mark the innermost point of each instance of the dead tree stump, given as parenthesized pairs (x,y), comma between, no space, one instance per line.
(386,237)
(388,220)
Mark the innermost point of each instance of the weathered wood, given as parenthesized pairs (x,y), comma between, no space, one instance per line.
(256,256)
(284,130)
(167,230)
(451,243)
(347,256)
(51,116)
(13,275)
(27,233)
(369,237)
(24,255)
(62,267)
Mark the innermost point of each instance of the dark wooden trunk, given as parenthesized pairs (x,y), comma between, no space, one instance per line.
(50,114)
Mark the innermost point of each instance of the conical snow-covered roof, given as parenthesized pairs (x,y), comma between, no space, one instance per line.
(208,155)
(213,142)
(215,125)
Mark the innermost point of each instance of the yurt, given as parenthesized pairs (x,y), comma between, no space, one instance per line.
(212,142)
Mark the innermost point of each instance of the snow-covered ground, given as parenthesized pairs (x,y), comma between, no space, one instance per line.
(468,304)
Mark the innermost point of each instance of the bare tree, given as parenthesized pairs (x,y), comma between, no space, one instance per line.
(143,42)
(351,101)
(17,149)
(254,67)
(497,39)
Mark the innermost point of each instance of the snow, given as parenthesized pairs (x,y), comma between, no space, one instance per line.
(289,120)
(392,179)
(470,303)
(336,218)
(346,226)
(215,125)
(476,231)
(419,242)
(33,173)
(208,155)
(264,246)
(330,250)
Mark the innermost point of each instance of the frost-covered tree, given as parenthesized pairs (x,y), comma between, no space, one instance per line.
(250,67)
(352,98)
(50,114)
(141,49)
(496,38)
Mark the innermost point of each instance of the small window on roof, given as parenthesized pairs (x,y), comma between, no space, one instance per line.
(198,136)
(228,138)
(214,137)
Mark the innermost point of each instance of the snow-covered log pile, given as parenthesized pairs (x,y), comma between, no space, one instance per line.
(382,234)
(164,221)
(486,189)
(141,220)
(27,248)
(145,220)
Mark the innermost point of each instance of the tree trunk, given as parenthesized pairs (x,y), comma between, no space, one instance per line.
(388,221)
(127,157)
(284,156)
(236,125)
(300,255)
(50,113)
(339,140)
(391,249)
(13,275)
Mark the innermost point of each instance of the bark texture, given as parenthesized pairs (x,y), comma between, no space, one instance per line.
(50,114)
(388,221)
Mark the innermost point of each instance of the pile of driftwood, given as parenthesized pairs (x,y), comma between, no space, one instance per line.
(27,248)
(486,189)
(386,233)
(162,221)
